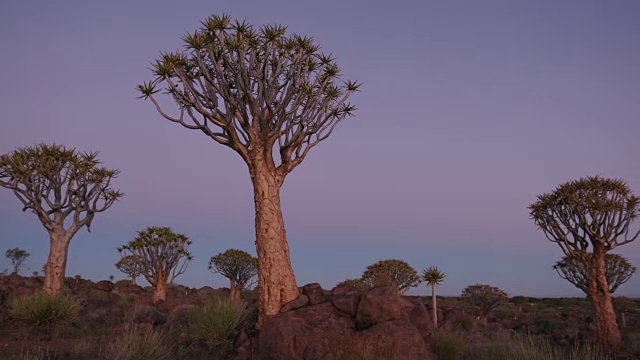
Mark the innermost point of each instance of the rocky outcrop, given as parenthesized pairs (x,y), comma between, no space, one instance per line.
(320,325)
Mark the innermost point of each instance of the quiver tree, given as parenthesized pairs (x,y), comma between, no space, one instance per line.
(433,277)
(162,255)
(588,218)
(485,298)
(270,97)
(396,273)
(17,257)
(238,266)
(65,189)
(131,266)
(617,270)
(354,284)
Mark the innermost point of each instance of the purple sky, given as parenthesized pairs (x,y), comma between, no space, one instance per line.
(469,109)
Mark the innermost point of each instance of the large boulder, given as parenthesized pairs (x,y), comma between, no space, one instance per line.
(320,325)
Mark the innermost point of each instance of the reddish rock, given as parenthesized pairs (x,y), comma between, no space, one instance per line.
(401,338)
(327,331)
(380,304)
(315,293)
(347,303)
(300,301)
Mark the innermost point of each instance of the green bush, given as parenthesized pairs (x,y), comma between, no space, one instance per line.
(135,344)
(448,346)
(217,320)
(45,310)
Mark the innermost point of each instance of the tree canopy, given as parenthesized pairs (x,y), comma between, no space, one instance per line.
(617,270)
(236,265)
(17,257)
(162,255)
(248,88)
(396,273)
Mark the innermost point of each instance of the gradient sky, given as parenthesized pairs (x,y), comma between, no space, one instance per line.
(469,109)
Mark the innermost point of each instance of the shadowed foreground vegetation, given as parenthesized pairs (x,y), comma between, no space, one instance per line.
(89,322)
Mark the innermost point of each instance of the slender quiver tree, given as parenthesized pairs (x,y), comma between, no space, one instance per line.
(485,298)
(131,266)
(17,257)
(587,218)
(396,273)
(238,266)
(270,97)
(65,189)
(433,277)
(162,255)
(617,270)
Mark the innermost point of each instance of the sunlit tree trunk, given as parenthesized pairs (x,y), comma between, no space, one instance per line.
(607,331)
(160,289)
(276,279)
(57,261)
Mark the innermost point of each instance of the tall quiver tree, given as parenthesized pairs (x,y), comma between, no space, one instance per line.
(238,266)
(65,189)
(433,277)
(270,97)
(587,218)
(617,270)
(162,256)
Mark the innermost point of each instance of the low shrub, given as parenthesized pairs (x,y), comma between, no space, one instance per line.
(136,344)
(45,310)
(217,320)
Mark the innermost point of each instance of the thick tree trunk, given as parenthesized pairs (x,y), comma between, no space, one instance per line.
(434,305)
(607,331)
(276,280)
(160,290)
(57,262)
(234,290)
(133,280)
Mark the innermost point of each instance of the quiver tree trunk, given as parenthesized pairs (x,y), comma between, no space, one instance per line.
(276,280)
(160,289)
(607,331)
(57,261)
(434,305)
(234,290)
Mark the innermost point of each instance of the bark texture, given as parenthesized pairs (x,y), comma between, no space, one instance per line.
(434,305)
(276,279)
(57,261)
(234,290)
(607,331)
(160,290)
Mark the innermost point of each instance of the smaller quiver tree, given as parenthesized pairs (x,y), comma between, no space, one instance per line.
(162,254)
(433,277)
(65,189)
(238,266)
(396,273)
(131,266)
(485,298)
(617,270)
(17,257)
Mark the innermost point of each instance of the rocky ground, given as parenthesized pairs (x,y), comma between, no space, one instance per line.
(320,324)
